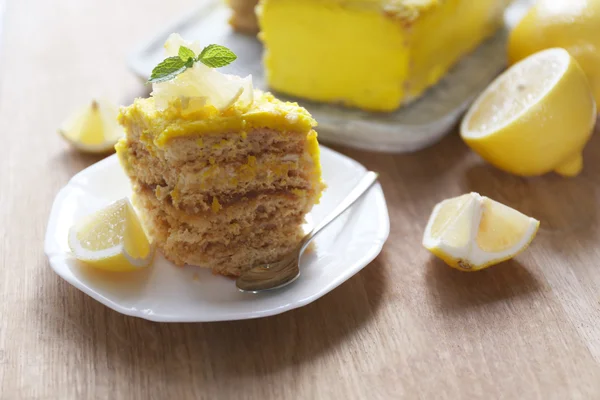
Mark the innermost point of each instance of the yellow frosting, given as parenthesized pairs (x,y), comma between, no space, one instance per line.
(177,120)
(371,54)
(406,10)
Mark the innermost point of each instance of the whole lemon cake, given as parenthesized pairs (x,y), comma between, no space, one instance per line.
(223,175)
(371,54)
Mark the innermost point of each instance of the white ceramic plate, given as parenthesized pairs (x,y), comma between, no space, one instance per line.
(413,127)
(168,293)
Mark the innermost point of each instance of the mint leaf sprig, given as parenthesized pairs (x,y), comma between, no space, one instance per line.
(214,56)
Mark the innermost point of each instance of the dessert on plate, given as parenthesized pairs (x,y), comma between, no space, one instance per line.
(223,174)
(371,54)
(243,17)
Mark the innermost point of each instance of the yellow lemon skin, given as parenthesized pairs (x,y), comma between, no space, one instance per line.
(464,266)
(571,24)
(116,263)
(549,135)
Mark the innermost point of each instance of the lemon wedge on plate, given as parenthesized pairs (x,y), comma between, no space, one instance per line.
(535,118)
(571,24)
(472,232)
(112,239)
(94,129)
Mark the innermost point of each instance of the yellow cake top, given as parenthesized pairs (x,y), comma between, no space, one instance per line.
(182,118)
(404,10)
(409,10)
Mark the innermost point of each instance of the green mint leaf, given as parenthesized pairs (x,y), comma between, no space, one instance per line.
(190,62)
(185,54)
(168,69)
(216,56)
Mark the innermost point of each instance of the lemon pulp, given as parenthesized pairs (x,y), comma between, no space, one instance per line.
(571,24)
(111,239)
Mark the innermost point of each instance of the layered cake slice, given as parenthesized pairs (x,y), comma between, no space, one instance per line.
(370,54)
(222,174)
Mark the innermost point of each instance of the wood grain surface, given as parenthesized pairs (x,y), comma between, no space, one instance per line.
(405,327)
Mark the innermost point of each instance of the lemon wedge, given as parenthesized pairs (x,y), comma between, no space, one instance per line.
(571,24)
(112,239)
(535,118)
(472,232)
(93,129)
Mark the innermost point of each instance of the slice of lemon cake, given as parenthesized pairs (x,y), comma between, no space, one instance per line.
(223,175)
(371,54)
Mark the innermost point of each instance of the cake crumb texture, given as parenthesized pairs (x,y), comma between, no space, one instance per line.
(227,190)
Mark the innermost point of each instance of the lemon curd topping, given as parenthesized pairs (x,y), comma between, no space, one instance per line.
(175,121)
(371,54)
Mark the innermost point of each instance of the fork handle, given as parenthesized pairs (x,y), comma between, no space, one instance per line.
(361,188)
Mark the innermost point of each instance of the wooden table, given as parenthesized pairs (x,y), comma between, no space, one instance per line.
(405,327)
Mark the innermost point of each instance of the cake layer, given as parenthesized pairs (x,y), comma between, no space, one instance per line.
(234,146)
(243,234)
(196,181)
(261,172)
(219,146)
(244,211)
(258,248)
(370,54)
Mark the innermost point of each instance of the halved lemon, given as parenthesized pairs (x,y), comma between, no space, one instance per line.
(535,118)
(93,129)
(472,232)
(112,239)
(573,25)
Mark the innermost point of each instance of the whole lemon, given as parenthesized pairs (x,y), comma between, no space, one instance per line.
(571,24)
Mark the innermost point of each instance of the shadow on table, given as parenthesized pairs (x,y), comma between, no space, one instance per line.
(454,291)
(561,204)
(228,350)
